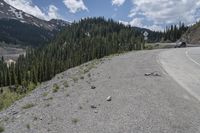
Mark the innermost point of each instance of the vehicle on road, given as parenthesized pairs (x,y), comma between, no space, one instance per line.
(181,45)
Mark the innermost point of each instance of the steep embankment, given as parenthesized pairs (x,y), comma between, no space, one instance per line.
(76,100)
(192,34)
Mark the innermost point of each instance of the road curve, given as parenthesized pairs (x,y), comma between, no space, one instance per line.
(140,104)
(184,66)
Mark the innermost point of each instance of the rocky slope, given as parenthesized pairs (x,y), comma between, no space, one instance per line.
(192,35)
(78,100)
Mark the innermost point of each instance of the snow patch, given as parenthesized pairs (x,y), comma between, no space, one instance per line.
(17,13)
(22,21)
(1,4)
(27,15)
(36,24)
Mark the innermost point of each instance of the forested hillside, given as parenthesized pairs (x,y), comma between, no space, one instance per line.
(174,32)
(78,43)
(171,33)
(15,32)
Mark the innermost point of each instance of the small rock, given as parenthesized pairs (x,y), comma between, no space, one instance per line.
(96,111)
(109,98)
(93,87)
(147,74)
(14,112)
(18,116)
(93,106)
(152,74)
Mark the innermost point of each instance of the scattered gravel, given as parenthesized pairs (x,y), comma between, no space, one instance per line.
(137,104)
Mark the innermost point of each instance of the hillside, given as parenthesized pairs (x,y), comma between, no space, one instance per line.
(76,101)
(78,43)
(192,34)
(18,27)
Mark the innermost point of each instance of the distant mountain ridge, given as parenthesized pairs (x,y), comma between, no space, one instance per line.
(9,12)
(30,27)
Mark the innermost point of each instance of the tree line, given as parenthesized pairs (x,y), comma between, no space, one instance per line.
(171,33)
(174,32)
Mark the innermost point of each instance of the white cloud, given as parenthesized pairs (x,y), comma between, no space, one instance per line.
(118,2)
(28,7)
(138,22)
(166,11)
(53,12)
(75,5)
(152,14)
(124,22)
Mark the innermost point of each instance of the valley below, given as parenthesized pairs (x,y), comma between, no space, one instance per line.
(11,52)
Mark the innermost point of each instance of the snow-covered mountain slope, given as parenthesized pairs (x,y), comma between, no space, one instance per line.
(9,12)
(18,27)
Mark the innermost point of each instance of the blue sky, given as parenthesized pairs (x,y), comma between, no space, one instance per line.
(95,8)
(152,14)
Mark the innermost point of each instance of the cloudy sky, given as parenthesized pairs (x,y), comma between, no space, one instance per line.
(152,14)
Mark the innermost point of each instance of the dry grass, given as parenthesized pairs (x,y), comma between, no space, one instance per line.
(28,105)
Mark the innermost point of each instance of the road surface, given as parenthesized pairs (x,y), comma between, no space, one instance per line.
(140,104)
(184,66)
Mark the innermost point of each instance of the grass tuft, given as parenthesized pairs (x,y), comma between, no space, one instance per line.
(28,105)
(75,120)
(28,126)
(7,98)
(55,88)
(75,79)
(66,84)
(2,129)
(45,94)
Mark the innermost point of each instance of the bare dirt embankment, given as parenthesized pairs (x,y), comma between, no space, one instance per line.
(75,101)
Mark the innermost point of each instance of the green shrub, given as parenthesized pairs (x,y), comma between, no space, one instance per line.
(28,126)
(55,88)
(45,94)
(31,86)
(28,105)
(66,84)
(75,79)
(8,98)
(75,120)
(1,129)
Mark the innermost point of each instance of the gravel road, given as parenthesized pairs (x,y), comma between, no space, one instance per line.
(137,104)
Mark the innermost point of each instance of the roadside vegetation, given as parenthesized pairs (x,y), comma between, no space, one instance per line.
(1,129)
(8,95)
(55,88)
(28,105)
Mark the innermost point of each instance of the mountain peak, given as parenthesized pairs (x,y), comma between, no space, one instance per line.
(9,12)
